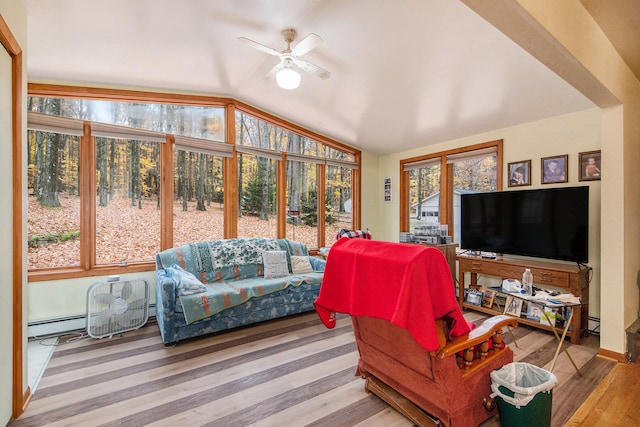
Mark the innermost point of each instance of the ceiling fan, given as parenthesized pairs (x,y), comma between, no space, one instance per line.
(286,75)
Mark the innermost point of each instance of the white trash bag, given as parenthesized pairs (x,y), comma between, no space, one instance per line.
(524,380)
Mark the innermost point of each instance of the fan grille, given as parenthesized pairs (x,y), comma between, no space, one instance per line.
(115,307)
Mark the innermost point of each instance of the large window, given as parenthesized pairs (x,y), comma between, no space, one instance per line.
(339,201)
(116,176)
(127,200)
(53,224)
(312,220)
(431,185)
(198,197)
(302,202)
(257,190)
(424,193)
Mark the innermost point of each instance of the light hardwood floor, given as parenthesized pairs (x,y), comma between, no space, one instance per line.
(614,402)
(287,372)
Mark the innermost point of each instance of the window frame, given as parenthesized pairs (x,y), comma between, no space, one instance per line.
(88,266)
(446,180)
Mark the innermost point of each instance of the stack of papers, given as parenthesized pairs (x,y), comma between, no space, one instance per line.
(565,299)
(544,298)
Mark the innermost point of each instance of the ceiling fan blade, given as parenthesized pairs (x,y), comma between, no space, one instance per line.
(272,72)
(258,46)
(313,69)
(307,44)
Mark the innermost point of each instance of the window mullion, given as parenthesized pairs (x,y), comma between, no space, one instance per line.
(356,188)
(281,196)
(446,208)
(166,192)
(322,205)
(404,200)
(230,171)
(87,199)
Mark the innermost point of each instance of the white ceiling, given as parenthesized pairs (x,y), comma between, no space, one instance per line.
(405,73)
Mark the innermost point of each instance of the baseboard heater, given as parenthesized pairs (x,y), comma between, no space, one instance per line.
(63,325)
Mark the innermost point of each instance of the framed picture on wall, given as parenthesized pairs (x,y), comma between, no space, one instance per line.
(589,166)
(387,190)
(519,173)
(554,169)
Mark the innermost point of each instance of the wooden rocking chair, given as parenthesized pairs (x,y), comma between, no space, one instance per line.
(417,352)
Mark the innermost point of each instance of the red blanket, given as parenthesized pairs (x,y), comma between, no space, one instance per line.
(409,285)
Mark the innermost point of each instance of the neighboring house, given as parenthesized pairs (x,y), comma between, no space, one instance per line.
(430,211)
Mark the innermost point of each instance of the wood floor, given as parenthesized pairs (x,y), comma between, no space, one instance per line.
(614,402)
(287,372)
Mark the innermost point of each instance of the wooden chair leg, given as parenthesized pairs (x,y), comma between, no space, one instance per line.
(399,402)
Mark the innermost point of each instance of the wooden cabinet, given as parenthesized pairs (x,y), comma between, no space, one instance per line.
(564,277)
(449,252)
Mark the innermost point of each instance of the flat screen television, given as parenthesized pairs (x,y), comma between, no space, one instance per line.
(545,223)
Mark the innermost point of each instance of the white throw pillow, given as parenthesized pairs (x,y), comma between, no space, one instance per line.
(301,264)
(275,264)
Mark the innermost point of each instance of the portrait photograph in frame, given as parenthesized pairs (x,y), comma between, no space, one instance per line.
(519,173)
(488,296)
(513,306)
(589,163)
(554,169)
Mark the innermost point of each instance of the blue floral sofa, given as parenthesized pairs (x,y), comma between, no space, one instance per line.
(211,286)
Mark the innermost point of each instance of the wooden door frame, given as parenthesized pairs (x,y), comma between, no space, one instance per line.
(20,393)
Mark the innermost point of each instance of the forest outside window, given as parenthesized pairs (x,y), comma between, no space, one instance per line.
(302,202)
(111,183)
(339,199)
(311,169)
(54,195)
(198,203)
(431,185)
(257,192)
(127,201)
(424,193)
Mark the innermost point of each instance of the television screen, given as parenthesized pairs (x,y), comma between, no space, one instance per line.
(546,223)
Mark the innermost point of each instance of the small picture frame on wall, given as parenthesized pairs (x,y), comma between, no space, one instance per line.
(590,166)
(387,190)
(554,169)
(519,173)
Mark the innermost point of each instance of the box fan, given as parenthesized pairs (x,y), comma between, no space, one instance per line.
(117,306)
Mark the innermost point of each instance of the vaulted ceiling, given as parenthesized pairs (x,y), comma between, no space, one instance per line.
(404,74)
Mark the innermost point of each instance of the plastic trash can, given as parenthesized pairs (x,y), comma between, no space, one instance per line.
(524,394)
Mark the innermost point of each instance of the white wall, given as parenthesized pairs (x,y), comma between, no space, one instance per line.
(14,15)
(568,134)
(372,194)
(59,299)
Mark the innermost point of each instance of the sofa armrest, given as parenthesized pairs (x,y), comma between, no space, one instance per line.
(317,264)
(165,304)
(478,335)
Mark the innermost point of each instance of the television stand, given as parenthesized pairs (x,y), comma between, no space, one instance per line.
(567,277)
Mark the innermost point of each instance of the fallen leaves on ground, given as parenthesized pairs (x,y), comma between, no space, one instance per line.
(126,233)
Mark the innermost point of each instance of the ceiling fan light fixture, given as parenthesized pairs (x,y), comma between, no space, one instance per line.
(288,78)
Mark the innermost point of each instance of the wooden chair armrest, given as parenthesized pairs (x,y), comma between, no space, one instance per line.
(478,335)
